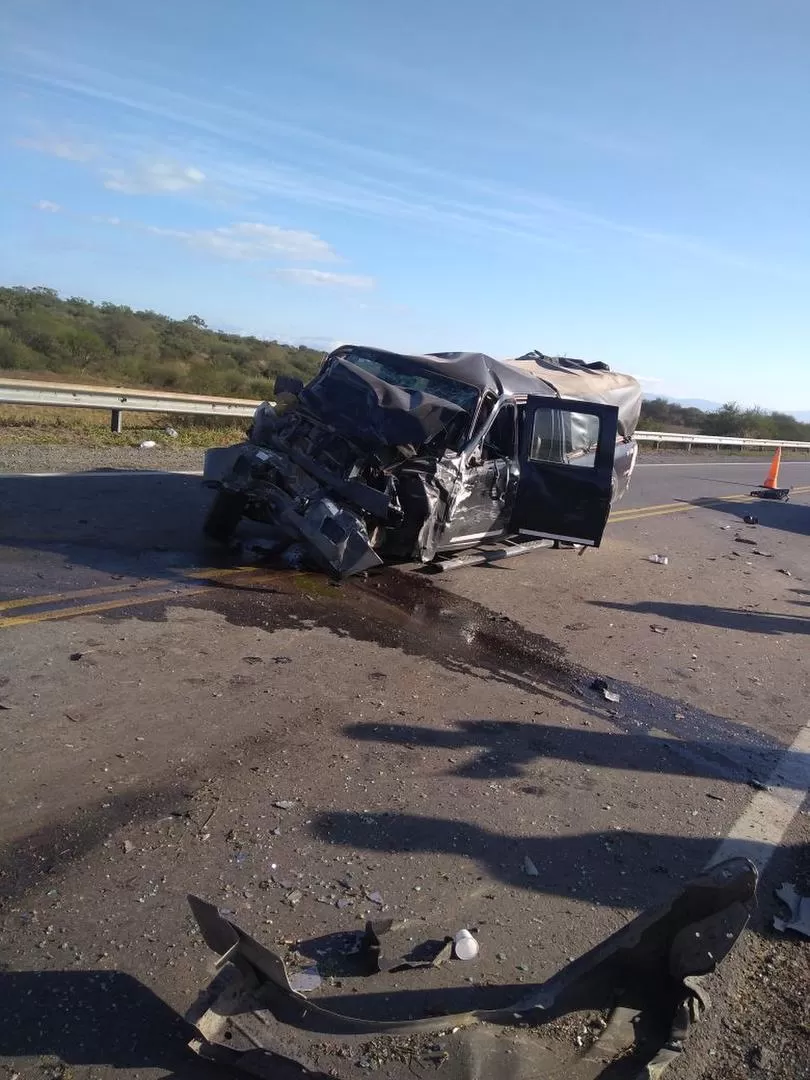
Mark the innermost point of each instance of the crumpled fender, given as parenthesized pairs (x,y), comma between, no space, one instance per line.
(648,975)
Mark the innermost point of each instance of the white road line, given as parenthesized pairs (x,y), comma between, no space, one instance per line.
(109,473)
(701,462)
(759,830)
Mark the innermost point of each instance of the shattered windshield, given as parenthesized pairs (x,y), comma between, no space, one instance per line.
(422,379)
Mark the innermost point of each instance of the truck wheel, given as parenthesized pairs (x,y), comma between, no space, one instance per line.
(224,516)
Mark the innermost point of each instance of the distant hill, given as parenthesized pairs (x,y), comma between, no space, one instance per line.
(713,406)
(687,403)
(661,414)
(43,335)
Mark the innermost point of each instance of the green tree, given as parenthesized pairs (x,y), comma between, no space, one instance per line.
(114,344)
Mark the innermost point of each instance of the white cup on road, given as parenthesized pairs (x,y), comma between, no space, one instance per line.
(465,945)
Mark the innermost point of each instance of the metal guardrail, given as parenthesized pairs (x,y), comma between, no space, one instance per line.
(719,441)
(118,400)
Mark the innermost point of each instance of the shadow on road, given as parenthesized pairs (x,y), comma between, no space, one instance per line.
(506,747)
(111,522)
(94,1018)
(781,516)
(753,622)
(609,868)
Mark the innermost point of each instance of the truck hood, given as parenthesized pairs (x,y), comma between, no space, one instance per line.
(367,410)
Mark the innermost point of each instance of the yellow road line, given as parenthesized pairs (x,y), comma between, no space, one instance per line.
(137,597)
(208,573)
(91,609)
(652,513)
(636,509)
(678,508)
(77,594)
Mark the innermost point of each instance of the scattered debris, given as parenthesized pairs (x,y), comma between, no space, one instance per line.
(601,687)
(787,573)
(724,527)
(658,629)
(172,432)
(717,798)
(447,950)
(285,804)
(799,907)
(661,560)
(655,964)
(371,947)
(147,444)
(745,540)
(305,981)
(294,897)
(127,847)
(757,785)
(760,1057)
(529,867)
(76,656)
(764,554)
(465,945)
(253,659)
(282,659)
(749,519)
(375,897)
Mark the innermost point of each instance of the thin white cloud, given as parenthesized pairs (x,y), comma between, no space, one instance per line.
(325,278)
(47,206)
(156,178)
(359,179)
(55,146)
(253,240)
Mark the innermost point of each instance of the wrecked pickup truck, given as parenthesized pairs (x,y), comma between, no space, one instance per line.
(386,457)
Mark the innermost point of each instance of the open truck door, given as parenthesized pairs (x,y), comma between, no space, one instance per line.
(566,470)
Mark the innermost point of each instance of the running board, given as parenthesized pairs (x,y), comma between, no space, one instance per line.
(476,558)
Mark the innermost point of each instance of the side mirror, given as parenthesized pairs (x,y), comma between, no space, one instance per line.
(287,384)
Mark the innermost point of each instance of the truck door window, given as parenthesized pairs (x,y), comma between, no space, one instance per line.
(499,441)
(583,439)
(564,437)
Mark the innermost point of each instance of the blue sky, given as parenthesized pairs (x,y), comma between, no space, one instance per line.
(624,180)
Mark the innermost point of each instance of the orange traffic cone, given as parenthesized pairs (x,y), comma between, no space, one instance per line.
(770,488)
(772,479)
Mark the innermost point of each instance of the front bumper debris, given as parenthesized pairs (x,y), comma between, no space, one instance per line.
(334,533)
(647,977)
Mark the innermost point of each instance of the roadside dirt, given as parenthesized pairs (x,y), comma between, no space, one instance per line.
(61,458)
(759,1028)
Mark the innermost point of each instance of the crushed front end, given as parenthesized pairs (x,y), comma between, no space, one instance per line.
(353,467)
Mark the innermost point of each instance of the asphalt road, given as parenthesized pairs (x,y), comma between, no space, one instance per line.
(428,735)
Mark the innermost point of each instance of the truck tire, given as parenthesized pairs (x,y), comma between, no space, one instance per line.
(224,516)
